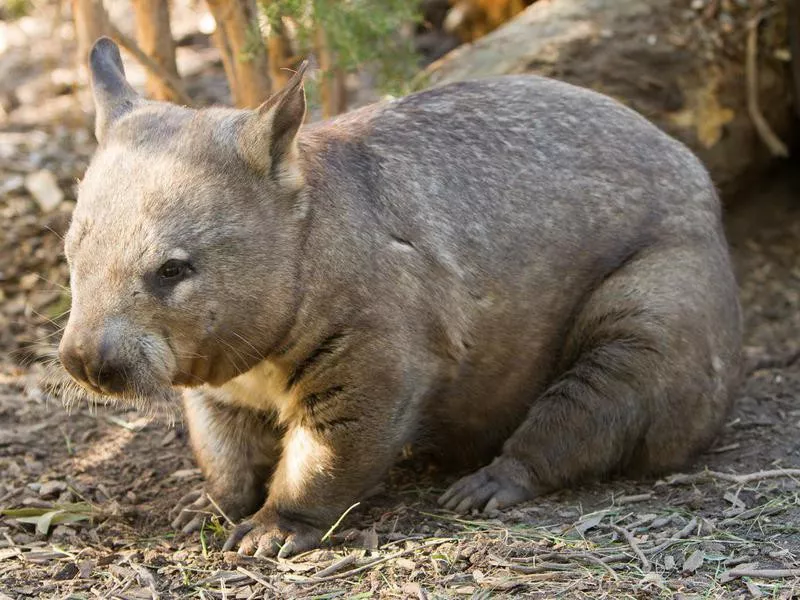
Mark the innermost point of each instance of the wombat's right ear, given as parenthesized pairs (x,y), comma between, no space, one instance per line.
(113,95)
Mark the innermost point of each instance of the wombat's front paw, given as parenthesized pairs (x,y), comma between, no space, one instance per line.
(268,534)
(492,487)
(195,509)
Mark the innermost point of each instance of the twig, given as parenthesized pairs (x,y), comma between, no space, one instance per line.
(635,498)
(600,561)
(337,566)
(257,579)
(572,557)
(368,565)
(768,136)
(686,531)
(732,477)
(763,573)
(634,546)
(148,63)
(147,578)
(757,511)
(338,522)
(219,510)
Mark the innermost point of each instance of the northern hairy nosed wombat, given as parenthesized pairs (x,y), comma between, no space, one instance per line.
(512,268)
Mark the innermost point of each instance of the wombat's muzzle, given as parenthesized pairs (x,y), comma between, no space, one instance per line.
(93,365)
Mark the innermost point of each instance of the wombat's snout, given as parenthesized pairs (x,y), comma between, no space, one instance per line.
(93,363)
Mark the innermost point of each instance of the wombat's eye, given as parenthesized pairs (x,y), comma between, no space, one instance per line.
(173,270)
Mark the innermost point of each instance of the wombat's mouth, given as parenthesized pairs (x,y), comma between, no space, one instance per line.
(214,369)
(154,399)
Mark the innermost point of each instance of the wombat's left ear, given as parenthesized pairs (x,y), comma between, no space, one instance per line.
(113,95)
(267,140)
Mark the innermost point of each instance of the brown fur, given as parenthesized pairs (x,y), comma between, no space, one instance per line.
(514,268)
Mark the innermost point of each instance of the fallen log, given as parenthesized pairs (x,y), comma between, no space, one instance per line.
(684,65)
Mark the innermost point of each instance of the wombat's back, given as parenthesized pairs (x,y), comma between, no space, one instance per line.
(513,175)
(492,211)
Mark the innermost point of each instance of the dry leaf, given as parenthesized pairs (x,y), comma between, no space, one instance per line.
(694,562)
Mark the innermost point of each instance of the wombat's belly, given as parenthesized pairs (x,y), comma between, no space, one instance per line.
(504,371)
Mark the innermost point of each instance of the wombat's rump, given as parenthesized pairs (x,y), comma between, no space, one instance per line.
(512,268)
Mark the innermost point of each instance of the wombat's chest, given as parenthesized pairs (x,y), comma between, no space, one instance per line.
(264,388)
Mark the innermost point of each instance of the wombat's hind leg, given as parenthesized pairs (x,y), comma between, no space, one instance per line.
(646,378)
(236,449)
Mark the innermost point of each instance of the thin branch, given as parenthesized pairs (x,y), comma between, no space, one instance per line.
(763,573)
(220,511)
(768,136)
(257,578)
(685,532)
(634,546)
(732,477)
(148,63)
(337,566)
(368,565)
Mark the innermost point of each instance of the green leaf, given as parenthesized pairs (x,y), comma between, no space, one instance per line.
(45,518)
(16,513)
(42,522)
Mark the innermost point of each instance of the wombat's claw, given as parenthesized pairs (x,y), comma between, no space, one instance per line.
(486,489)
(263,537)
(194,509)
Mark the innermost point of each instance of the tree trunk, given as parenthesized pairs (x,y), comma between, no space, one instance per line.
(333,93)
(244,55)
(278,50)
(90,23)
(684,70)
(154,36)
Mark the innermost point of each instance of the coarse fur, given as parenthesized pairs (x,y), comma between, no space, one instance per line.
(513,268)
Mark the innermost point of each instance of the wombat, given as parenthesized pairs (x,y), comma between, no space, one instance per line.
(514,270)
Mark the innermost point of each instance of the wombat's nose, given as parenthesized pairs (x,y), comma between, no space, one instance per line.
(94,366)
(69,353)
(108,376)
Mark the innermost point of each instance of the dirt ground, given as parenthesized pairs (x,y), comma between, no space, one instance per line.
(85,497)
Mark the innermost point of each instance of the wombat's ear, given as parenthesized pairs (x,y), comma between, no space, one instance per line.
(113,95)
(267,140)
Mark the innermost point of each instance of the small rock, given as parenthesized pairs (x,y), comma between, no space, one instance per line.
(62,532)
(660,522)
(51,488)
(66,497)
(13,184)
(370,539)
(28,281)
(405,563)
(44,188)
(185,473)
(85,568)
(68,571)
